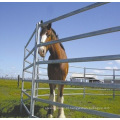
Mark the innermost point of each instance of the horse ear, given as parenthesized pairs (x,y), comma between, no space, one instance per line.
(41,21)
(49,26)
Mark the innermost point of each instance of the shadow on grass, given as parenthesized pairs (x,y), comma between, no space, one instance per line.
(15,112)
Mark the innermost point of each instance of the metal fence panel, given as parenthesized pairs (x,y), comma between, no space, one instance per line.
(81,109)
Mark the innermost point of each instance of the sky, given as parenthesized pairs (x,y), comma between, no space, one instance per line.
(18,20)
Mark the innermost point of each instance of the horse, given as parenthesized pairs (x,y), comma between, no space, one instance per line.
(56,71)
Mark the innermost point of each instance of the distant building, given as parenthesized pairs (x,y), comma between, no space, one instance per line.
(110,80)
(80,78)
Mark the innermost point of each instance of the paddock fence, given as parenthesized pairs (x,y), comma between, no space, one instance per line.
(36,62)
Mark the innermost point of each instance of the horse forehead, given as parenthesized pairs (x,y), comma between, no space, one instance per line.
(43,31)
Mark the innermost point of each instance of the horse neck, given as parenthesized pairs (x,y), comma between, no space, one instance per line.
(55,49)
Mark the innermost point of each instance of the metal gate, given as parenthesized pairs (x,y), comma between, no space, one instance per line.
(35,65)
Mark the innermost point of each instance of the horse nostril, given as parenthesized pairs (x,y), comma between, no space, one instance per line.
(43,51)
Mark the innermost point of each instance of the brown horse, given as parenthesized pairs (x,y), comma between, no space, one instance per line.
(57,71)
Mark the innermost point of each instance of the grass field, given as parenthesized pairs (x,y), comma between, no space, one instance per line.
(10,101)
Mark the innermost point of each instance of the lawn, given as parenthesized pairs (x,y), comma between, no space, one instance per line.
(10,101)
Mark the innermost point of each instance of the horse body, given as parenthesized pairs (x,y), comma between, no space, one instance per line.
(56,71)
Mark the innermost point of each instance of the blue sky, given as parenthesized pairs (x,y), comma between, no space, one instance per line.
(18,20)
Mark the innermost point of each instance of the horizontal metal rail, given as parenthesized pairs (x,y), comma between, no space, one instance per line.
(93,68)
(85,35)
(81,94)
(103,69)
(83,59)
(83,84)
(64,88)
(101,94)
(30,38)
(85,68)
(81,109)
(100,74)
(74,13)
(63,94)
(26,80)
(74,89)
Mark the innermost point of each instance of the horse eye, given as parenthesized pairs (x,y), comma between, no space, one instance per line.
(47,34)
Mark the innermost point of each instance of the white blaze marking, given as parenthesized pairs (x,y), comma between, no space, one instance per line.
(44,37)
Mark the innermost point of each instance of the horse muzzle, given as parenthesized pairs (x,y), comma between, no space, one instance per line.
(42,51)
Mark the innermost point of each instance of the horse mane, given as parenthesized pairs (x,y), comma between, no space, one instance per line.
(61,45)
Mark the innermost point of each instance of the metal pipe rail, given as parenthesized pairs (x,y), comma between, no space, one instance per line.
(76,89)
(83,84)
(83,59)
(30,38)
(86,68)
(74,13)
(81,109)
(101,75)
(92,74)
(72,94)
(93,68)
(85,35)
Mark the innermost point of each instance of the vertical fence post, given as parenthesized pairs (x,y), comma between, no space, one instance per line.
(34,75)
(22,81)
(38,41)
(37,84)
(18,80)
(84,80)
(113,83)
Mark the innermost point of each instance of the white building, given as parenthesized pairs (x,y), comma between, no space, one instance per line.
(79,77)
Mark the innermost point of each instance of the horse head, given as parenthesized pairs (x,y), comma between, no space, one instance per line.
(45,36)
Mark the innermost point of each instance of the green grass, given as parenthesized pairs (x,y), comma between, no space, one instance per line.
(10,101)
